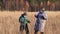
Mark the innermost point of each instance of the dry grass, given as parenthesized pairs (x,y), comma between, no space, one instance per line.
(9,23)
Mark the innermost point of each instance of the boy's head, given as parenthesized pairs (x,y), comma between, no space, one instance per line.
(25,13)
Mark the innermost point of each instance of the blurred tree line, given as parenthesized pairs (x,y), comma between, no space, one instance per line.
(1,4)
(31,5)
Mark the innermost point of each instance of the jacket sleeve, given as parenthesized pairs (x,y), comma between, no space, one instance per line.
(19,19)
(27,20)
(45,16)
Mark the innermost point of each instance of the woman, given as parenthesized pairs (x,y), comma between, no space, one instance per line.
(40,22)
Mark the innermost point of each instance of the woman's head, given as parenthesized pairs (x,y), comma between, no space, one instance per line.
(43,9)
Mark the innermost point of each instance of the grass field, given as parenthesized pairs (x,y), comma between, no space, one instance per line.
(9,22)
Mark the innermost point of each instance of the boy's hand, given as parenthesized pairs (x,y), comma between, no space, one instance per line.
(28,21)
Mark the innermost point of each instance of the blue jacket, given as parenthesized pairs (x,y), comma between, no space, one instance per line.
(41,16)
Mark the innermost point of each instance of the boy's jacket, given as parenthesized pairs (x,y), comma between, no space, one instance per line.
(23,20)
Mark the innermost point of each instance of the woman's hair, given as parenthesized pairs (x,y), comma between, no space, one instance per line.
(42,8)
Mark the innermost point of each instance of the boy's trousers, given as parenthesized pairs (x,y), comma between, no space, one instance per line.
(22,27)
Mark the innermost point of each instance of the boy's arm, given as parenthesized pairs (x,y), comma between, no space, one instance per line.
(28,20)
(19,19)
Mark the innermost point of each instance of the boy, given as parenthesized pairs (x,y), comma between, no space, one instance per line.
(24,23)
(40,22)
